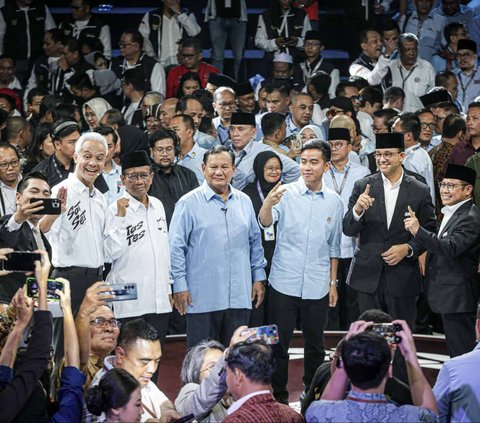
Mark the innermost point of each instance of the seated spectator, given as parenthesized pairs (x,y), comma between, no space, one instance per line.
(250,384)
(457,387)
(203,385)
(467,73)
(365,363)
(311,132)
(445,59)
(152,118)
(150,99)
(274,131)
(118,396)
(40,148)
(93,110)
(245,97)
(217,80)
(138,352)
(189,82)
(394,98)
(7,74)
(318,87)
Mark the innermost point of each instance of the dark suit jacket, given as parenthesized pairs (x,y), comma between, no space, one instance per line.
(21,240)
(452,262)
(403,279)
(263,408)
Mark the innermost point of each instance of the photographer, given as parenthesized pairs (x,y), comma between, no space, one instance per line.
(365,363)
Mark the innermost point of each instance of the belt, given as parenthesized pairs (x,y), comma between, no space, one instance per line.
(87,271)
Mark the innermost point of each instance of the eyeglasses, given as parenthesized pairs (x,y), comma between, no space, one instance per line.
(336,145)
(333,112)
(449,186)
(387,155)
(271,169)
(161,150)
(132,177)
(377,129)
(464,55)
(209,367)
(101,322)
(229,105)
(188,56)
(13,163)
(426,125)
(122,44)
(354,98)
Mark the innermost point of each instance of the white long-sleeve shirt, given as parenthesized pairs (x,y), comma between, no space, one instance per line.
(78,236)
(142,257)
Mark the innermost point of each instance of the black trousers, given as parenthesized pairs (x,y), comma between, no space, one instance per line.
(283,311)
(346,311)
(459,332)
(218,325)
(80,278)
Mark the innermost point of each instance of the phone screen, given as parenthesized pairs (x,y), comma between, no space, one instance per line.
(21,261)
(52,286)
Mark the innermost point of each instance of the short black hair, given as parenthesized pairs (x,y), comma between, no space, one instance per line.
(136,329)
(105,131)
(254,359)
(186,119)
(206,98)
(183,101)
(114,117)
(73,45)
(340,89)
(65,111)
(7,145)
(271,122)
(56,35)
(321,82)
(450,107)
(376,316)
(48,104)
(366,358)
(277,86)
(372,95)
(410,123)
(451,28)
(363,37)
(217,149)
(192,42)
(162,134)
(34,92)
(389,25)
(135,77)
(23,184)
(441,78)
(135,36)
(393,94)
(323,146)
(452,125)
(80,80)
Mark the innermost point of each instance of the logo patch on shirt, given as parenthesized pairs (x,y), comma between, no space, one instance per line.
(329,219)
(135,232)
(76,216)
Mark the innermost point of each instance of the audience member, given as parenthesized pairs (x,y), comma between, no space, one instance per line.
(9,177)
(467,72)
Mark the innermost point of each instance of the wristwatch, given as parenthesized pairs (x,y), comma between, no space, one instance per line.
(334,283)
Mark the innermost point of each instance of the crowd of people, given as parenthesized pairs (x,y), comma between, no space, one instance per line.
(303,198)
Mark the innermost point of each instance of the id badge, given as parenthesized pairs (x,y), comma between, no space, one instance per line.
(269,233)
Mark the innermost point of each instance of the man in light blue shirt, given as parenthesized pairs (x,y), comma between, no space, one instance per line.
(341,177)
(245,149)
(216,254)
(190,154)
(303,275)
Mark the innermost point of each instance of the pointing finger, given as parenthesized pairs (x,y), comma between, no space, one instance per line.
(412,213)
(367,189)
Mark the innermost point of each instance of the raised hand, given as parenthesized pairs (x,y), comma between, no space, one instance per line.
(275,195)
(364,201)
(122,204)
(411,222)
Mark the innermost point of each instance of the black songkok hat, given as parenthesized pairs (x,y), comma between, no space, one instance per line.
(463,173)
(438,96)
(343,103)
(220,80)
(243,88)
(135,159)
(240,118)
(313,35)
(335,134)
(467,45)
(391,140)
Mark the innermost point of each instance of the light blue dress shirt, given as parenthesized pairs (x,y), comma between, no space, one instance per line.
(428,35)
(351,173)
(193,160)
(308,234)
(115,185)
(457,389)
(417,160)
(204,140)
(468,87)
(216,250)
(244,162)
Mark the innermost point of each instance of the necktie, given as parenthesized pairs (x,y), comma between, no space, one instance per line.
(38,238)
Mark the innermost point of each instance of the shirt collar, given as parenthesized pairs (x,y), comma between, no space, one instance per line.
(305,190)
(209,193)
(376,396)
(79,186)
(133,203)
(412,148)
(247,148)
(238,403)
(116,169)
(449,210)
(347,166)
(386,181)
(193,152)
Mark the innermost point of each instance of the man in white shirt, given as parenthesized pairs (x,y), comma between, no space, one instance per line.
(414,75)
(9,177)
(138,352)
(142,225)
(78,234)
(112,171)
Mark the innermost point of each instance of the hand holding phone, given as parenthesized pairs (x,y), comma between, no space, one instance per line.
(268,334)
(31,287)
(50,206)
(20,261)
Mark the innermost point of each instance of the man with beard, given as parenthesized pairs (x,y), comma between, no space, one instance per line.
(467,73)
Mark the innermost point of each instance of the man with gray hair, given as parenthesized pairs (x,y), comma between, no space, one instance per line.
(77,235)
(414,75)
(224,103)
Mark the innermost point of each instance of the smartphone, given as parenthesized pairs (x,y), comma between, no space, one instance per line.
(50,205)
(52,285)
(122,291)
(268,334)
(20,261)
(388,331)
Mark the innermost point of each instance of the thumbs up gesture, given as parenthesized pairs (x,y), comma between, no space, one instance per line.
(411,222)
(364,201)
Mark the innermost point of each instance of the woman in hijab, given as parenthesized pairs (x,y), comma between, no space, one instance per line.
(93,111)
(267,167)
(311,132)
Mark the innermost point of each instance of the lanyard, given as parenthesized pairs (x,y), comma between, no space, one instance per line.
(149,411)
(339,191)
(408,75)
(4,210)
(465,87)
(241,156)
(260,192)
(312,71)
